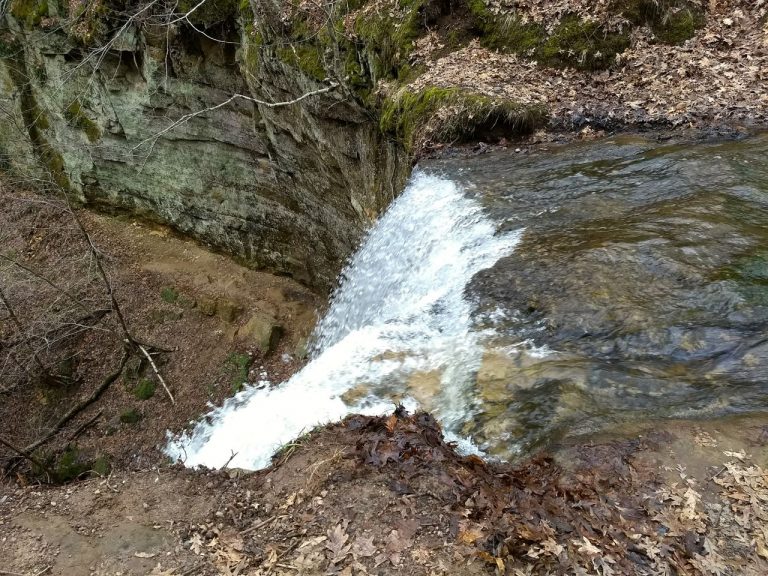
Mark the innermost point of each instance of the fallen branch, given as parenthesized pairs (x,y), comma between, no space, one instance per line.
(157,372)
(260,525)
(75,410)
(26,455)
(85,426)
(229,461)
(45,279)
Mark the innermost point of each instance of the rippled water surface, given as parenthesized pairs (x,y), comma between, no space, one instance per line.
(521,297)
(642,271)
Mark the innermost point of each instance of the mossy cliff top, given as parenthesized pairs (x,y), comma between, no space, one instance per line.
(379,50)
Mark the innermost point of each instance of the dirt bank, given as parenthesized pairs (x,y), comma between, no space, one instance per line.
(595,67)
(387,496)
(215,324)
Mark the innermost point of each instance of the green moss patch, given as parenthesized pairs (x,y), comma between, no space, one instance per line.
(145,389)
(36,122)
(388,38)
(305,57)
(102,466)
(574,42)
(672,21)
(76,117)
(169,294)
(30,12)
(469,116)
(131,416)
(238,365)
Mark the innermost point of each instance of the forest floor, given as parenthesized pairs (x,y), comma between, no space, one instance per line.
(387,496)
(713,82)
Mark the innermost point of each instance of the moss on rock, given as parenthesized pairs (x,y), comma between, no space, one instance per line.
(31,12)
(388,38)
(467,116)
(582,44)
(305,57)
(672,21)
(36,121)
(78,118)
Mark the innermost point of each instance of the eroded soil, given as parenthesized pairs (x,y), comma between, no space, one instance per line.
(387,496)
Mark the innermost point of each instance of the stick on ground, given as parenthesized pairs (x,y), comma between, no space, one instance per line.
(159,376)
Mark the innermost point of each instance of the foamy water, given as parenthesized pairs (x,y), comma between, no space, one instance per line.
(399,310)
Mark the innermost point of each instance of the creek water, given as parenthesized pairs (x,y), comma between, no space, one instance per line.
(524,297)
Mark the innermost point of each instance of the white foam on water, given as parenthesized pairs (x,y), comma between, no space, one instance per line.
(399,309)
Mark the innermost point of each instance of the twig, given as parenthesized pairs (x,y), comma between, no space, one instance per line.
(230,460)
(43,571)
(100,268)
(723,469)
(189,571)
(232,98)
(47,280)
(259,525)
(20,328)
(6,573)
(86,425)
(157,372)
(75,410)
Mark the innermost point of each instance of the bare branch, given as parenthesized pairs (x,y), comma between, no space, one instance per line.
(100,53)
(157,372)
(46,280)
(20,328)
(75,410)
(102,273)
(26,454)
(186,14)
(232,98)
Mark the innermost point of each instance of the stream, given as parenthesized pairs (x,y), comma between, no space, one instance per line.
(521,298)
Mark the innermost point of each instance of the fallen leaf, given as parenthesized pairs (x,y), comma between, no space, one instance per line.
(585,546)
(337,543)
(196,543)
(363,547)
(470,535)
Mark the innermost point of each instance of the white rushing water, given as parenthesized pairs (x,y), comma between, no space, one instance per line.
(399,311)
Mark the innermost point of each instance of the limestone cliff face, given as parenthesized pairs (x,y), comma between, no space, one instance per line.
(290,189)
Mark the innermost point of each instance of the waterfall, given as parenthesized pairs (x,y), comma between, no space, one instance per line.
(399,311)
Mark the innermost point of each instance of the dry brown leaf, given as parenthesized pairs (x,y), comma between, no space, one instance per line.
(337,543)
(585,546)
(470,535)
(363,547)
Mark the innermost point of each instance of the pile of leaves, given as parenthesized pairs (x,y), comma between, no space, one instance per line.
(388,495)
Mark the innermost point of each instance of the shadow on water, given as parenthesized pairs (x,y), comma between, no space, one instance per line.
(639,288)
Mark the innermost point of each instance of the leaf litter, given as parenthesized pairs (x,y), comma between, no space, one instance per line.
(607,512)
